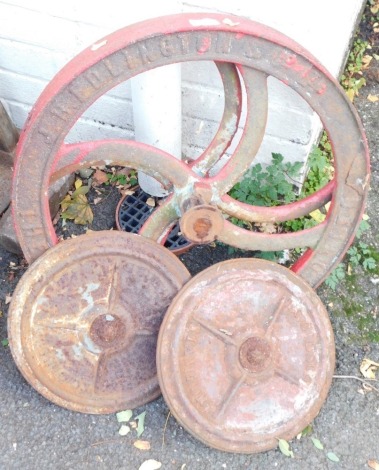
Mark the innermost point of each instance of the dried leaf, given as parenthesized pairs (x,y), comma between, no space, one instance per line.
(373,98)
(141,423)
(66,202)
(79,210)
(375,9)
(366,61)
(100,177)
(332,456)
(8,299)
(368,368)
(285,448)
(150,202)
(142,445)
(127,192)
(81,190)
(150,464)
(317,443)
(317,215)
(78,183)
(350,94)
(268,227)
(97,200)
(124,430)
(124,416)
(373,464)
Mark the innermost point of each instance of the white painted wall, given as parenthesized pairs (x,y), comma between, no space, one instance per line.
(37,37)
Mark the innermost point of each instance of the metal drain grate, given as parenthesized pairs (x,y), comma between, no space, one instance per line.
(133,211)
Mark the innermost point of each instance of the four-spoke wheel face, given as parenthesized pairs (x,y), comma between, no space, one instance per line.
(257,52)
(245,355)
(84,321)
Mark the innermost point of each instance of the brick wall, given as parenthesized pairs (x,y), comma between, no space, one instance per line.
(37,37)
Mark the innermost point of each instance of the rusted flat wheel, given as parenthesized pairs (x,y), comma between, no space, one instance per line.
(245,355)
(84,320)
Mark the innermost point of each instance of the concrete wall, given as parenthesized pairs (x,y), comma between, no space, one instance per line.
(37,37)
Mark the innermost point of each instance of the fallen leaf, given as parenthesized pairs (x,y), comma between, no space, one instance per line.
(78,183)
(142,445)
(332,456)
(5,342)
(150,464)
(141,423)
(150,202)
(127,192)
(79,210)
(317,443)
(100,177)
(368,368)
(317,215)
(124,430)
(350,94)
(124,416)
(373,464)
(307,431)
(8,299)
(268,227)
(374,9)
(366,61)
(97,200)
(373,98)
(285,448)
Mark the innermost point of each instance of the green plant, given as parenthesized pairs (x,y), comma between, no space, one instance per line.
(352,79)
(271,186)
(360,254)
(122,179)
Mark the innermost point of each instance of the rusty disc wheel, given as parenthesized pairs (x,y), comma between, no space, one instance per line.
(245,355)
(84,320)
(257,52)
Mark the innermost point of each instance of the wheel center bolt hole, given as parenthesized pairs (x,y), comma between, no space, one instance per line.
(107,329)
(255,354)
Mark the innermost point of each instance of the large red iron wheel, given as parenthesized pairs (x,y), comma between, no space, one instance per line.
(196,198)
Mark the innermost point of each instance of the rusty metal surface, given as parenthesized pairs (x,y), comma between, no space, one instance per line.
(84,320)
(257,52)
(245,355)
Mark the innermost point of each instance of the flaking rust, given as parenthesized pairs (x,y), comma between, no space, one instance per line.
(84,320)
(268,377)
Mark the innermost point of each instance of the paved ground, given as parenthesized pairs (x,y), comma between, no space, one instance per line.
(35,434)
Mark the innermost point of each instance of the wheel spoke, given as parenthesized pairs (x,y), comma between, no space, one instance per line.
(254,129)
(229,121)
(247,240)
(158,225)
(277,214)
(154,162)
